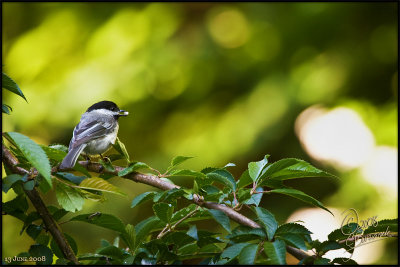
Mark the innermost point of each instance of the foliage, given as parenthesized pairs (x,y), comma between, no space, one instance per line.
(171,235)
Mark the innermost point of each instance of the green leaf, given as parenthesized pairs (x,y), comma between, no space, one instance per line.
(120,147)
(345,231)
(57,251)
(221,218)
(132,167)
(244,179)
(43,253)
(33,231)
(388,225)
(231,253)
(176,161)
(144,227)
(192,232)
(267,220)
(9,180)
(69,198)
(295,240)
(292,168)
(178,238)
(129,236)
(172,194)
(70,177)
(33,153)
(300,195)
(103,220)
(327,246)
(182,212)
(111,251)
(9,84)
(224,177)
(248,254)
(292,228)
(344,261)
(142,198)
(255,168)
(99,184)
(29,185)
(163,211)
(255,199)
(6,108)
(55,154)
(276,252)
(16,207)
(244,234)
(188,249)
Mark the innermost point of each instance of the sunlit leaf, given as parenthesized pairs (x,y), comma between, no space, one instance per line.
(176,161)
(9,84)
(224,177)
(99,184)
(133,166)
(120,147)
(255,168)
(69,198)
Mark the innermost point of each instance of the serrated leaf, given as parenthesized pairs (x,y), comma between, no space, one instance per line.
(243,234)
(39,251)
(248,254)
(224,177)
(9,180)
(267,220)
(70,177)
(9,84)
(344,261)
(142,198)
(300,195)
(163,211)
(172,194)
(103,220)
(276,252)
(133,166)
(57,251)
(54,154)
(388,225)
(231,253)
(327,246)
(295,240)
(221,218)
(120,147)
(255,168)
(345,231)
(69,198)
(293,228)
(99,184)
(176,161)
(33,153)
(291,168)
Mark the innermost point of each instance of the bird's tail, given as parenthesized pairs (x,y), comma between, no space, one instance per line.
(70,159)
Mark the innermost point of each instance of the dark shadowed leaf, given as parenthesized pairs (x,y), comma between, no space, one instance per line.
(142,198)
(103,220)
(221,218)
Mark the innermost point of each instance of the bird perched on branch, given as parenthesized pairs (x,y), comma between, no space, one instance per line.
(95,133)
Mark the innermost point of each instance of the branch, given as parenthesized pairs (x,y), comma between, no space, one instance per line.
(41,208)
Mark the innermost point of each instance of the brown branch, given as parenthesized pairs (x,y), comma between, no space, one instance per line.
(41,208)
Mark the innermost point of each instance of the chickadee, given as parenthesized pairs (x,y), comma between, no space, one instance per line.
(95,132)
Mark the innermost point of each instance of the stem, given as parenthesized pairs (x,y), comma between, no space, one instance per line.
(169,228)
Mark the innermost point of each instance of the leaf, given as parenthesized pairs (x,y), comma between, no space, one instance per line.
(267,220)
(163,211)
(327,246)
(248,254)
(182,212)
(244,234)
(33,153)
(292,168)
(132,167)
(29,185)
(9,84)
(69,198)
(230,164)
(6,108)
(41,252)
(16,207)
(192,232)
(388,225)
(255,168)
(244,179)
(231,253)
(345,232)
(103,220)
(172,194)
(292,228)
(224,177)
(144,227)
(9,180)
(300,195)
(99,184)
(276,252)
(33,231)
(142,198)
(344,261)
(129,236)
(188,249)
(176,161)
(120,147)
(57,251)
(295,240)
(255,199)
(178,238)
(55,154)
(321,261)
(70,177)
(221,218)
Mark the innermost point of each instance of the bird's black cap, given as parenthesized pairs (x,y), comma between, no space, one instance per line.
(109,105)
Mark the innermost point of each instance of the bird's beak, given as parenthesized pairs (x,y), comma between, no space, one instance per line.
(123,113)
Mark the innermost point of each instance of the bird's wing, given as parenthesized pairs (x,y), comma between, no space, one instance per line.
(89,129)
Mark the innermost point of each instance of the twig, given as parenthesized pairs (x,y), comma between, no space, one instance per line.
(41,208)
(170,228)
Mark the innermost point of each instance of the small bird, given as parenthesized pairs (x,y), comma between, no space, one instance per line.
(95,133)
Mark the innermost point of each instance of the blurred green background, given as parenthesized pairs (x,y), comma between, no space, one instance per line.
(224,82)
